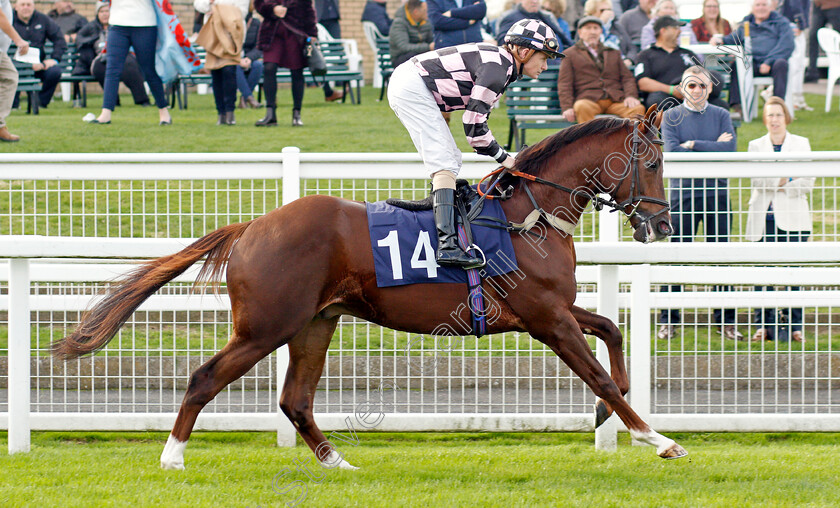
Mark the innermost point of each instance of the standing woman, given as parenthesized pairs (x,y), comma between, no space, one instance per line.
(779,211)
(133,24)
(286,23)
(224,25)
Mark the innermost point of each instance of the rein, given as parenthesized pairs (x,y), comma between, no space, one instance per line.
(633,199)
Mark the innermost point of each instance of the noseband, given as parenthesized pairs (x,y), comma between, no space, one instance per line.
(634,199)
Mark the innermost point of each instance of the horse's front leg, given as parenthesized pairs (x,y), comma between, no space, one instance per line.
(607,331)
(567,341)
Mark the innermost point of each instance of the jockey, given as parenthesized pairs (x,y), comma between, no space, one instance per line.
(471,77)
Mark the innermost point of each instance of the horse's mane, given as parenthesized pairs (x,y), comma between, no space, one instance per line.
(531,159)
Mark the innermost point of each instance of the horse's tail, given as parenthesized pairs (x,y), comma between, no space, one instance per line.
(100,324)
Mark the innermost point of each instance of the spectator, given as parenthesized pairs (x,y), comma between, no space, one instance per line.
(665,8)
(329,16)
(8,72)
(37,28)
(530,9)
(796,11)
(635,19)
(661,66)
(456,21)
(613,35)
(90,44)
(250,66)
(594,80)
(779,212)
(133,23)
(65,16)
(558,8)
(823,12)
(411,32)
(710,23)
(772,45)
(377,13)
(222,35)
(282,46)
(697,126)
(472,78)
(622,6)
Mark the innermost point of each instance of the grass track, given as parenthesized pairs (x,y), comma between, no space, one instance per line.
(236,469)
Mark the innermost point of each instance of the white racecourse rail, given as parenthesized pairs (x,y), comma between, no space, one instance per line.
(68,222)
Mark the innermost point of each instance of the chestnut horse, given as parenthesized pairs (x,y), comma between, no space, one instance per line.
(292,273)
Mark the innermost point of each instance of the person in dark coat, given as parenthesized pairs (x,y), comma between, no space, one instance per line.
(375,11)
(251,66)
(456,22)
(37,28)
(411,32)
(281,38)
(65,16)
(90,44)
(329,16)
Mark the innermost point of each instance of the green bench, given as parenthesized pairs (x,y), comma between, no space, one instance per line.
(383,63)
(533,104)
(338,71)
(27,83)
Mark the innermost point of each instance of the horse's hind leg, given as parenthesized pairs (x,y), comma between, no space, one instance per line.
(226,366)
(607,331)
(568,342)
(307,353)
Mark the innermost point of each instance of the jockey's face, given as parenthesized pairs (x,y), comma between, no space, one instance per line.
(535,65)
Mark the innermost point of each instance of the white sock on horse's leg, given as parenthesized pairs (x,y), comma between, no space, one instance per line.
(173,454)
(665,447)
(329,461)
(444,179)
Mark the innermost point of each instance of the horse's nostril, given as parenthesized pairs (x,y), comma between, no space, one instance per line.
(664,227)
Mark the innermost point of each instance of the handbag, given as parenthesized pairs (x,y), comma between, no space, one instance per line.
(311,52)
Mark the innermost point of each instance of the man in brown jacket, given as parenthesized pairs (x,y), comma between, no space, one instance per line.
(594,80)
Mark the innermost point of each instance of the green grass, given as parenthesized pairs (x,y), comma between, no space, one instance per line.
(434,469)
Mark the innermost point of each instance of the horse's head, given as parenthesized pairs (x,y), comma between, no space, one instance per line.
(640,191)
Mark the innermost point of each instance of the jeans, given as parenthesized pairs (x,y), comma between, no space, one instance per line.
(131,76)
(767,318)
(246,81)
(688,208)
(224,88)
(143,39)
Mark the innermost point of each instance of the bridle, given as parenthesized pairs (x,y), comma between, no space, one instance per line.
(634,199)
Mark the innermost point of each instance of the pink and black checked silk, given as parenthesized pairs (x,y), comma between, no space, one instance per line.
(471,77)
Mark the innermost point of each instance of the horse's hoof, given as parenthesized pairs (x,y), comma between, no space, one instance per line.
(601,413)
(674,451)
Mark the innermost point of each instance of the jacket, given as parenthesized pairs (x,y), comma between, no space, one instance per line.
(87,46)
(222,36)
(456,29)
(301,15)
(772,39)
(377,13)
(38,31)
(581,78)
(790,201)
(68,23)
(408,38)
(252,30)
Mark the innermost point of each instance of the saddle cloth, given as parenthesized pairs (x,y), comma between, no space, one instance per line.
(404,244)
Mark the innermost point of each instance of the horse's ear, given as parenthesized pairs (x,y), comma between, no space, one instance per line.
(658,120)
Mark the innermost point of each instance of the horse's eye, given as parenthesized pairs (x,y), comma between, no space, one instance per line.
(652,165)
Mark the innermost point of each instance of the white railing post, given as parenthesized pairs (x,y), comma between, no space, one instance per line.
(286,432)
(606,436)
(19,355)
(640,360)
(291,174)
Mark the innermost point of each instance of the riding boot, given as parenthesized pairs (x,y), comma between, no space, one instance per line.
(222,119)
(230,118)
(270,119)
(296,121)
(449,253)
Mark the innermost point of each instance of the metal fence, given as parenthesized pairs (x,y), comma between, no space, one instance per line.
(505,381)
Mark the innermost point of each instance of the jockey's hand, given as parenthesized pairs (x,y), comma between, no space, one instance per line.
(509,162)
(569,115)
